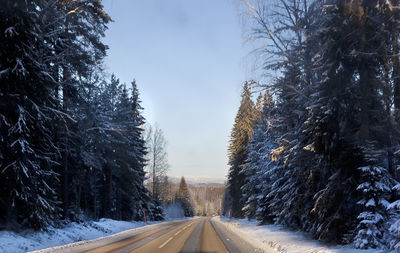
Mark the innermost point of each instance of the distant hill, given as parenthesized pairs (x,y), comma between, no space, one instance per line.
(192,180)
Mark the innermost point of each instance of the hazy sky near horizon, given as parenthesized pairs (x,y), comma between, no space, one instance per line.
(189,61)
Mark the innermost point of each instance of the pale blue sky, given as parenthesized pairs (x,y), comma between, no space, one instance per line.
(189,61)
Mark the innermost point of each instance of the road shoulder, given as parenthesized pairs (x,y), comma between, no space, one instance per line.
(234,240)
(86,245)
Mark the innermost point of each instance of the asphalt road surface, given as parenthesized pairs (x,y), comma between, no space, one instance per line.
(197,235)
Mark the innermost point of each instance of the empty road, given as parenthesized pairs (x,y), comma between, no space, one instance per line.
(197,235)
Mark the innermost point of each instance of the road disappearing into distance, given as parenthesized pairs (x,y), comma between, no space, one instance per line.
(188,236)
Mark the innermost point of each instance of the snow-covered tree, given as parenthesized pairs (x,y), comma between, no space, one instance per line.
(333,96)
(254,169)
(394,229)
(375,189)
(240,137)
(72,143)
(130,155)
(28,152)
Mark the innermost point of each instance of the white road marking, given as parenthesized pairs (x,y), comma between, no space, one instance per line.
(177,233)
(185,227)
(165,243)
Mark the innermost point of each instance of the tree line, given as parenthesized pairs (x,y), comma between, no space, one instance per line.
(171,194)
(72,143)
(319,149)
(203,199)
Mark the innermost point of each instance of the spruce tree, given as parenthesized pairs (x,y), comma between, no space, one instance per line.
(80,27)
(28,152)
(240,137)
(375,190)
(183,197)
(395,227)
(138,152)
(351,113)
(253,169)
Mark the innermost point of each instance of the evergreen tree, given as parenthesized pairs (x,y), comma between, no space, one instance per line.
(253,170)
(130,155)
(92,129)
(395,227)
(183,197)
(28,154)
(240,137)
(375,189)
(351,110)
(80,28)
(139,151)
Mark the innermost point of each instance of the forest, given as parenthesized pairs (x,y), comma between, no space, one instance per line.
(72,138)
(318,150)
(203,199)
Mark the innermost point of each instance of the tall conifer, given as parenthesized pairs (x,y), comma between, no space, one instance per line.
(240,137)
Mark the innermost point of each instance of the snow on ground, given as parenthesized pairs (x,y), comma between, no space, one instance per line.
(273,238)
(73,232)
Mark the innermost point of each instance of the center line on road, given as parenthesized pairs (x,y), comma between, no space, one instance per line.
(177,233)
(165,243)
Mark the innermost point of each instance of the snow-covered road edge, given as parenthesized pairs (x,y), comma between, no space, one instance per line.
(74,236)
(272,238)
(245,236)
(85,245)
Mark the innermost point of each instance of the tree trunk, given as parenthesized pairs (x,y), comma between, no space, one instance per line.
(9,214)
(396,74)
(66,146)
(154,172)
(107,203)
(65,80)
(364,86)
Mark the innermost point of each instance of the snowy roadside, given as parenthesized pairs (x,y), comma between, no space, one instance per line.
(95,233)
(273,238)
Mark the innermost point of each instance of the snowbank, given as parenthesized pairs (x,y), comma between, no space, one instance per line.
(73,232)
(273,238)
